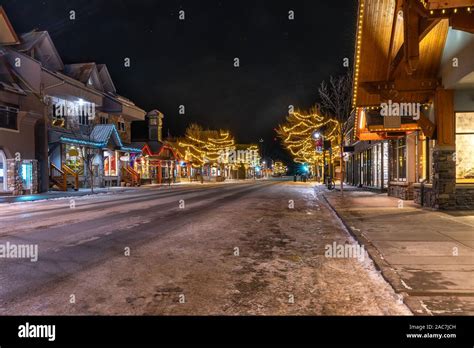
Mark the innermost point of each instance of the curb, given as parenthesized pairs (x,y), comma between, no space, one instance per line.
(385,269)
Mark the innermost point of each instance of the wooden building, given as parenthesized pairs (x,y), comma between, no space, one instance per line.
(413,98)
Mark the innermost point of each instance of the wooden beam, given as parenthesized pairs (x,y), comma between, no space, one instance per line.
(398,6)
(370,136)
(426,126)
(405,85)
(411,47)
(425,27)
(443,4)
(444,115)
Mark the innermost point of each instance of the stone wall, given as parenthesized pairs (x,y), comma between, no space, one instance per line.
(465,196)
(13,178)
(404,192)
(423,195)
(444,178)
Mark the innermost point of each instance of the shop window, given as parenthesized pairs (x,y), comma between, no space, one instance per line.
(464,146)
(399,160)
(385,166)
(27,175)
(110,163)
(422,158)
(8,117)
(74,159)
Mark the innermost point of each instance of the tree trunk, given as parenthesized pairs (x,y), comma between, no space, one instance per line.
(91,175)
(341,163)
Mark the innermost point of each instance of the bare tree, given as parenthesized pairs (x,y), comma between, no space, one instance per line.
(81,125)
(335,102)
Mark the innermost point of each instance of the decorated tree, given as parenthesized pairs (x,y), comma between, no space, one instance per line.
(205,146)
(298,135)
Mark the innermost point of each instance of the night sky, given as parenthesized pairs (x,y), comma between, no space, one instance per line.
(190,62)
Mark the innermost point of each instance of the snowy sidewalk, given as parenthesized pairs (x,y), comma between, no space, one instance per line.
(60,194)
(426,255)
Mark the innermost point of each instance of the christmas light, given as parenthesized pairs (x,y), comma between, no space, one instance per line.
(298,135)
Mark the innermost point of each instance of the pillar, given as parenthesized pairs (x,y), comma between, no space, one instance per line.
(444,161)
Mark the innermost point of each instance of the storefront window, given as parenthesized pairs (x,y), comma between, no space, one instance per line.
(422,158)
(110,163)
(142,165)
(399,160)
(464,147)
(74,159)
(27,175)
(376,165)
(385,163)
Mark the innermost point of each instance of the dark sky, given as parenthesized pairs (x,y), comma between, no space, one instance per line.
(190,62)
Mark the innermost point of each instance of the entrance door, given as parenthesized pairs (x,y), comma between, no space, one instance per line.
(3,172)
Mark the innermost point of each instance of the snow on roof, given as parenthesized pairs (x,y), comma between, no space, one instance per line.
(45,51)
(80,71)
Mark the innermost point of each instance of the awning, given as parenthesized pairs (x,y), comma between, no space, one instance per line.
(102,136)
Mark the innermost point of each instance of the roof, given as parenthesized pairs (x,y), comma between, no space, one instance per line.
(100,137)
(8,82)
(106,79)
(44,49)
(157,149)
(87,73)
(102,133)
(80,71)
(379,49)
(8,35)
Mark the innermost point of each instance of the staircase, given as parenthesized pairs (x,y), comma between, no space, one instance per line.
(58,178)
(130,176)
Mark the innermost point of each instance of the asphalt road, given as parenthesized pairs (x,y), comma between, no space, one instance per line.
(254,247)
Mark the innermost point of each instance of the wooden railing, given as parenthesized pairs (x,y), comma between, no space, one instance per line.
(58,177)
(69,172)
(130,176)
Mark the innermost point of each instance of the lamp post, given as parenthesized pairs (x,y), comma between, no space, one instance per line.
(319,143)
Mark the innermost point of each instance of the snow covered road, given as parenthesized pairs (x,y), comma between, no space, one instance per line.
(242,248)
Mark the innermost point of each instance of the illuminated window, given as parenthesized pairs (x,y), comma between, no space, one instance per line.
(399,160)
(464,147)
(27,175)
(422,158)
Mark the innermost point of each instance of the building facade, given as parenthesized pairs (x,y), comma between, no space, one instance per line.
(414,100)
(75,128)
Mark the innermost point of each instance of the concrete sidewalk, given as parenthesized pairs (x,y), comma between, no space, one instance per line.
(426,255)
(60,194)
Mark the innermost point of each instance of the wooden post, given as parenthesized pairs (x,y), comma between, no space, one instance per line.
(444,165)
(444,113)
